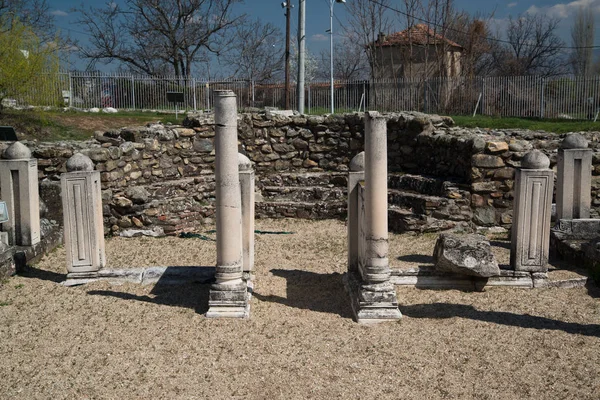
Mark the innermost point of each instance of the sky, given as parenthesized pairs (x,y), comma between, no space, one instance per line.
(317,16)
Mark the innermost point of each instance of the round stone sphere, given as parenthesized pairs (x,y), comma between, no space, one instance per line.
(358,162)
(79,162)
(535,160)
(574,141)
(17,151)
(244,163)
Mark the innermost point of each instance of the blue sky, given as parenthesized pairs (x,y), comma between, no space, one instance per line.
(317,15)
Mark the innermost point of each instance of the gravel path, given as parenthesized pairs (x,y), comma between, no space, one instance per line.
(148,342)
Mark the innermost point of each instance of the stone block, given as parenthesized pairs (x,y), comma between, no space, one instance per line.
(465,254)
(577,229)
(486,161)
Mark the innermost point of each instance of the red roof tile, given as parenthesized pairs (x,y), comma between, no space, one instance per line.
(419,34)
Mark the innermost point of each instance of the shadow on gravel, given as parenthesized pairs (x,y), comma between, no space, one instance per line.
(446,310)
(417,258)
(500,243)
(190,295)
(592,288)
(312,291)
(36,273)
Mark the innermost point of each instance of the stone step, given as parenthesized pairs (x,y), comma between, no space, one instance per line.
(435,206)
(404,220)
(427,185)
(303,193)
(325,179)
(298,209)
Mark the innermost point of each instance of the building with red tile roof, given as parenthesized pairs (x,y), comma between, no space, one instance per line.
(416,52)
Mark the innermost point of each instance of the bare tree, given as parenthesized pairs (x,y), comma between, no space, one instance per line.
(349,62)
(256,52)
(146,35)
(367,19)
(474,34)
(33,13)
(582,36)
(533,47)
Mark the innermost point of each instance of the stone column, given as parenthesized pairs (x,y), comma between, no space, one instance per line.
(83,224)
(19,188)
(374,297)
(356,174)
(228,296)
(247,193)
(530,232)
(574,180)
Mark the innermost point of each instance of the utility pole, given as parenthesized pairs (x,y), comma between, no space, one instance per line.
(288,11)
(301,54)
(331,88)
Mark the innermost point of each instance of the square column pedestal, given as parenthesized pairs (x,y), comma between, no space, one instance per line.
(530,232)
(574,178)
(83,222)
(19,189)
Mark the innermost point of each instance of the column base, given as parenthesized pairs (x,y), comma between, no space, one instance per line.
(80,278)
(228,303)
(372,303)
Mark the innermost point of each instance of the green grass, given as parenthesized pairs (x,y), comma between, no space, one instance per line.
(548,125)
(75,125)
(324,110)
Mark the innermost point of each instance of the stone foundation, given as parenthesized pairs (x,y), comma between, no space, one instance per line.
(446,178)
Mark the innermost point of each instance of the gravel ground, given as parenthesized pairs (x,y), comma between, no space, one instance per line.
(149,342)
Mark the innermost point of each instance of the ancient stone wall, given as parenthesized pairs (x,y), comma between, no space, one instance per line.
(162,176)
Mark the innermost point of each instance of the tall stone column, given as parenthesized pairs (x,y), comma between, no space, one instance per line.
(247,193)
(19,188)
(574,180)
(228,296)
(82,209)
(356,174)
(374,297)
(530,232)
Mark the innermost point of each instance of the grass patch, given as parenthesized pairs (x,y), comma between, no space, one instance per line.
(19,286)
(535,124)
(5,303)
(75,125)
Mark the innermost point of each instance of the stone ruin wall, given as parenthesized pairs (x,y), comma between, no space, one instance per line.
(162,175)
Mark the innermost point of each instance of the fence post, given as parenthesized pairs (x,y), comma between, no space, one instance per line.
(542,98)
(207,96)
(133,91)
(309,100)
(194,92)
(252,81)
(483,103)
(70,90)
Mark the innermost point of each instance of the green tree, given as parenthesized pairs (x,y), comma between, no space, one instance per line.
(28,67)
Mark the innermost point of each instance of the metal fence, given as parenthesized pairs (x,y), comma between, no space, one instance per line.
(573,97)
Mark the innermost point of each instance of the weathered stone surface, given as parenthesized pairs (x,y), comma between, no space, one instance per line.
(496,147)
(79,162)
(487,161)
(535,160)
(485,216)
(465,254)
(137,194)
(574,141)
(17,151)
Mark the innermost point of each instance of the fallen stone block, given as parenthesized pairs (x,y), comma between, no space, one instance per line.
(465,254)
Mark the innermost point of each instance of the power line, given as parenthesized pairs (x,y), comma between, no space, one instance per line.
(466,33)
